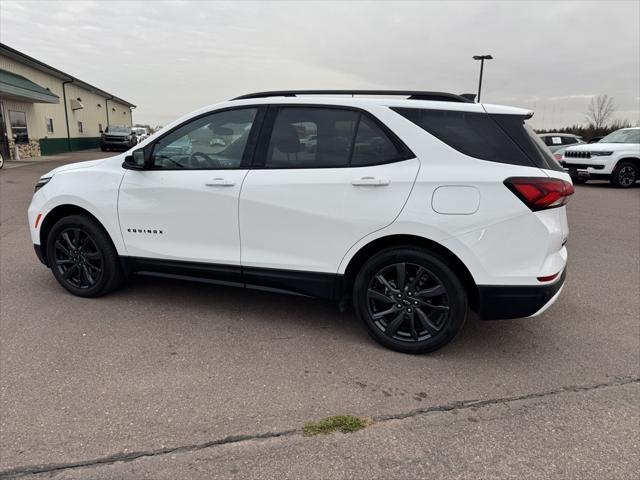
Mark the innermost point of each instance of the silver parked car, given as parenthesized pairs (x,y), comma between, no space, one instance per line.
(556,141)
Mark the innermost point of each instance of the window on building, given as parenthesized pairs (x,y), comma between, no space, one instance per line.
(49,125)
(18,122)
(80,129)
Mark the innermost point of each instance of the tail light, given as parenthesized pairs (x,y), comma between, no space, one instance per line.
(539,193)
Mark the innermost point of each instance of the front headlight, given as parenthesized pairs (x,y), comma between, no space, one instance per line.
(41,183)
(601,154)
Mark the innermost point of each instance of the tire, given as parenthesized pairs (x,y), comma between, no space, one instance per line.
(436,302)
(1,161)
(625,175)
(82,257)
(103,149)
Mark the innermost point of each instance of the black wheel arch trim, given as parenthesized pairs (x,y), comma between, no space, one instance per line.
(53,216)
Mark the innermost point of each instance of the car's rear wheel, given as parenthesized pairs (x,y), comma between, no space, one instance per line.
(82,257)
(410,300)
(625,175)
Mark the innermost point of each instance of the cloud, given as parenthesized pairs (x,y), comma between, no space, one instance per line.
(574,97)
(172,57)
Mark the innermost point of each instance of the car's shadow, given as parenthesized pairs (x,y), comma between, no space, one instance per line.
(604,184)
(281,317)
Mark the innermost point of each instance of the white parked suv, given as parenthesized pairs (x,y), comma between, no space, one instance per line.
(615,158)
(415,209)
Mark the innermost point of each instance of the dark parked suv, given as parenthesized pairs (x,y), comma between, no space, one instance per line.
(117,137)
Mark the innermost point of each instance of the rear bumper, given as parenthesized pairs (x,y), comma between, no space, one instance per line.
(503,302)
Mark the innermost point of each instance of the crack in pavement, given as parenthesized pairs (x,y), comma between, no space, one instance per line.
(21,471)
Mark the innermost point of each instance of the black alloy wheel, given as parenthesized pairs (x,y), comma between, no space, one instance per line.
(82,257)
(77,258)
(410,299)
(407,302)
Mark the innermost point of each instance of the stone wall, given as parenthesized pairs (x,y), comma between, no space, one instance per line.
(27,150)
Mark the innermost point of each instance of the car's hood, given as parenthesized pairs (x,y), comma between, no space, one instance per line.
(597,147)
(74,166)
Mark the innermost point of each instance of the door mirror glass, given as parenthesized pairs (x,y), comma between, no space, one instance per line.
(135,161)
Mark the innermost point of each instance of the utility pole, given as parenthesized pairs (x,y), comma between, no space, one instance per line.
(482,58)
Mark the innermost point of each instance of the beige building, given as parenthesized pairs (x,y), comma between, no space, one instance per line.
(44,111)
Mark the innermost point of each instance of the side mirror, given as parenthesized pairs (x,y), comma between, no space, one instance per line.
(135,161)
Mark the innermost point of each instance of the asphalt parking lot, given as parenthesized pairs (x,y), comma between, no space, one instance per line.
(166,379)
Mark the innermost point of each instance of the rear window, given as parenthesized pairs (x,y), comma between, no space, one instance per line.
(474,134)
(496,138)
(528,140)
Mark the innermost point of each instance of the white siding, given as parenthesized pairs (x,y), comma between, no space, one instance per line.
(37,113)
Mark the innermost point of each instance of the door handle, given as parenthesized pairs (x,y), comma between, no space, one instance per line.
(220,182)
(370,182)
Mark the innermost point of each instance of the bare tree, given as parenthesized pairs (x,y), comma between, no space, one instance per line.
(600,110)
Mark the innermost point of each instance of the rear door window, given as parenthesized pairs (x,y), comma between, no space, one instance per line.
(311,138)
(373,146)
(324,137)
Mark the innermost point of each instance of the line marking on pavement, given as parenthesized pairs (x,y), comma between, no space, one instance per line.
(25,470)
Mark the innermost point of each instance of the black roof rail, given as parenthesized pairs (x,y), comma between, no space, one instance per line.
(412,95)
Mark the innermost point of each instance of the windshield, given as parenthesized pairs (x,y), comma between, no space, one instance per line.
(118,129)
(622,136)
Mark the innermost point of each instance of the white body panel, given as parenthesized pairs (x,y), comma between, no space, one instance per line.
(91,185)
(194,211)
(306,219)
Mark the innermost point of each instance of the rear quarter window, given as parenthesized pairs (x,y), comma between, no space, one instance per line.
(474,134)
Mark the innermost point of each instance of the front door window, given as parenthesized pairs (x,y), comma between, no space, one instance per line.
(213,142)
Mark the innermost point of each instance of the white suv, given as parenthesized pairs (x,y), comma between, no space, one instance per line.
(615,158)
(415,209)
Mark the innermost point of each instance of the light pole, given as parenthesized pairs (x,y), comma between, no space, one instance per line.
(482,58)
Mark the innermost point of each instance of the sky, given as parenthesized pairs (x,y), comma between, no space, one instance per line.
(172,57)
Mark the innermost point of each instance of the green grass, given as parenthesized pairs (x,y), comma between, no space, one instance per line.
(338,423)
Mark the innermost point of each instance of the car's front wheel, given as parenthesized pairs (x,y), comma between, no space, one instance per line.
(625,175)
(82,257)
(410,300)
